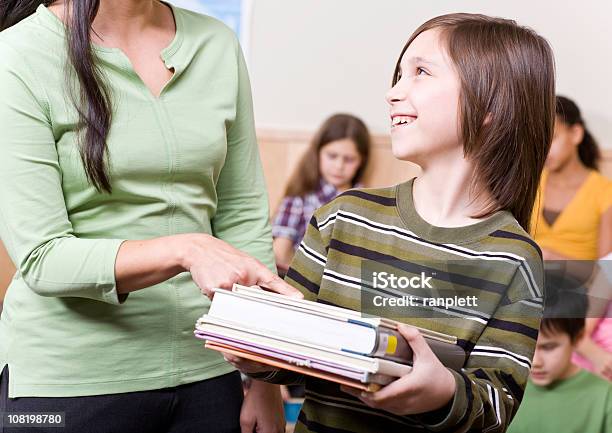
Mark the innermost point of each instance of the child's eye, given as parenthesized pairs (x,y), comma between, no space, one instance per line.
(419,70)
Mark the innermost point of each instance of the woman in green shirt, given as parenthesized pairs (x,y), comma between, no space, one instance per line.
(128,160)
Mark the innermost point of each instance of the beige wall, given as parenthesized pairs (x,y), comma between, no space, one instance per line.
(309,59)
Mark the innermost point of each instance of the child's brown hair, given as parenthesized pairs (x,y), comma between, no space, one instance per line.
(507,104)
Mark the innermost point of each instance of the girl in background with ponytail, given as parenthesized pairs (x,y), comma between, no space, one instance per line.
(573,215)
(128,166)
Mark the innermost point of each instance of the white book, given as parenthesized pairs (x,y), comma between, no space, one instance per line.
(324,326)
(308,357)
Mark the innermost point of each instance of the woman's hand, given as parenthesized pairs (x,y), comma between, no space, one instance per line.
(215,263)
(262,409)
(429,386)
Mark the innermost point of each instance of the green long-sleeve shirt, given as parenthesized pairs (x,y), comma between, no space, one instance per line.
(181,163)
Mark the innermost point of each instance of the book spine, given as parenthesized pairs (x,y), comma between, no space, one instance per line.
(392,346)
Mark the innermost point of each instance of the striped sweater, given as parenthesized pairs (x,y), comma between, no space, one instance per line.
(493,260)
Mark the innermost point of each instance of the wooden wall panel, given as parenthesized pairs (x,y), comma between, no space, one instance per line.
(281,151)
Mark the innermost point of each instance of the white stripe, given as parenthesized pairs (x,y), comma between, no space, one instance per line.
(494,399)
(491,348)
(327,221)
(497,411)
(309,252)
(516,257)
(330,278)
(338,274)
(531,304)
(463,252)
(493,352)
(498,355)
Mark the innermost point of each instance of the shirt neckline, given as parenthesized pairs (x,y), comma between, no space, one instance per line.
(456,235)
(51,19)
(571,204)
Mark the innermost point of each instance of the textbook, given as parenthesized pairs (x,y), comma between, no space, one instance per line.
(314,338)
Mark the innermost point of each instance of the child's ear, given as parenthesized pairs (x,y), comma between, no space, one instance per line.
(577,133)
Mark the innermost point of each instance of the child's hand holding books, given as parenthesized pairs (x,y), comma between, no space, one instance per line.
(428,387)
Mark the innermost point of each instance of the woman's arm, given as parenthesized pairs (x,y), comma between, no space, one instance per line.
(212,263)
(34,223)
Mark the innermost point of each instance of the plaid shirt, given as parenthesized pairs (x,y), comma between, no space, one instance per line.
(295,212)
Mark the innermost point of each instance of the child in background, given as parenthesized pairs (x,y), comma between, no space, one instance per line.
(573,213)
(560,396)
(457,109)
(334,162)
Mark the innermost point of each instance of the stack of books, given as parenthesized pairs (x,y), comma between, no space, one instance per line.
(315,339)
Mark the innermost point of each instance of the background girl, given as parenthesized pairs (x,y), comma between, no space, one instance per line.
(573,218)
(334,162)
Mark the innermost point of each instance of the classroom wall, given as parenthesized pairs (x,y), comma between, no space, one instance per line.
(309,59)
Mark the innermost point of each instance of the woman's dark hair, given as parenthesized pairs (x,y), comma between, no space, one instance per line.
(92,99)
(506,104)
(305,178)
(569,113)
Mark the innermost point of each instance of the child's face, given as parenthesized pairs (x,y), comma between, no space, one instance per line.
(338,162)
(552,358)
(424,103)
(563,146)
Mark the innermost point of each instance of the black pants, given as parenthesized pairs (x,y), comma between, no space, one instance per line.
(209,406)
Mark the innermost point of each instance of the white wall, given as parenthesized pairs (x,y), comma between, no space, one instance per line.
(311,58)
